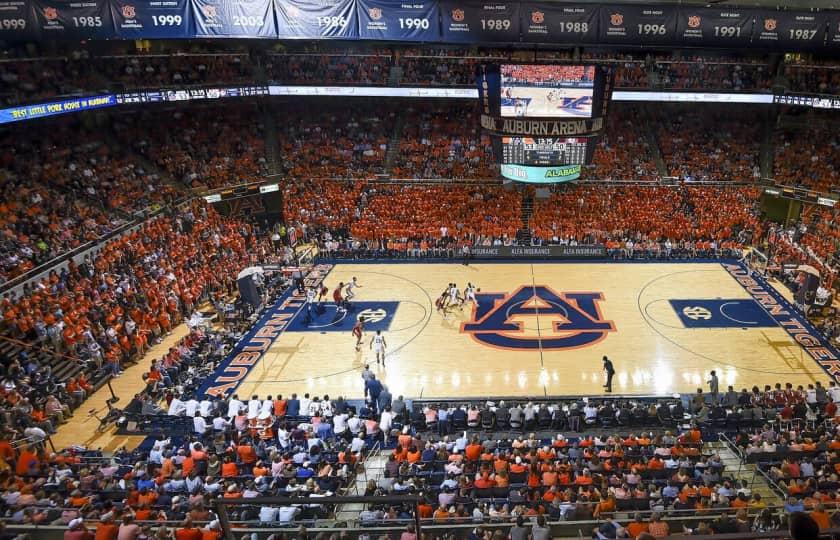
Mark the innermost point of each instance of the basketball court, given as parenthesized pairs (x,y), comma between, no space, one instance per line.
(541,329)
(566,102)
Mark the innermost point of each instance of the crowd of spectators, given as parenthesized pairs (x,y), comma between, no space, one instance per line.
(623,151)
(329,69)
(636,215)
(808,156)
(704,74)
(813,77)
(162,70)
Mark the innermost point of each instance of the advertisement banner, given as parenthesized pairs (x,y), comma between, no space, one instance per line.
(63,19)
(541,175)
(53,108)
(790,30)
(543,22)
(469,21)
(151,19)
(313,19)
(715,27)
(386,19)
(233,18)
(538,252)
(17,22)
(638,24)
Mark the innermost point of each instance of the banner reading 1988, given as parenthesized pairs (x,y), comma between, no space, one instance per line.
(469,21)
(789,29)
(60,19)
(638,24)
(386,19)
(300,19)
(233,18)
(715,27)
(543,22)
(151,19)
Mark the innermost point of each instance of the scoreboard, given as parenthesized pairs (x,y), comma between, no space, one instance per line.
(531,151)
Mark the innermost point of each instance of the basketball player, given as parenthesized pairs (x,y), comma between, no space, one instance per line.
(311,293)
(358,330)
(455,295)
(520,108)
(351,286)
(440,303)
(339,300)
(377,343)
(323,293)
(469,294)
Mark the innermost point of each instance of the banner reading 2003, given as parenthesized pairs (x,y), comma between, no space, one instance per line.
(233,18)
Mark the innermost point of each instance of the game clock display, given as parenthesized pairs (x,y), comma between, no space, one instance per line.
(534,151)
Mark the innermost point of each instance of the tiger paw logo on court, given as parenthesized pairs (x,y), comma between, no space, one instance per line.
(538,318)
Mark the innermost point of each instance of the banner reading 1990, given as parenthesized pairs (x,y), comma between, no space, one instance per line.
(543,22)
(470,21)
(313,19)
(386,19)
(233,18)
(151,19)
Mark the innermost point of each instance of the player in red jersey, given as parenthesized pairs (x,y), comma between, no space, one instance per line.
(338,298)
(358,329)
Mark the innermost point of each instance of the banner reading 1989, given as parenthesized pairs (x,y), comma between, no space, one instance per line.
(233,18)
(470,21)
(543,22)
(386,19)
(151,19)
(313,19)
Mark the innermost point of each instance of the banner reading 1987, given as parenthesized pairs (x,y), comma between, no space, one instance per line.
(386,19)
(543,22)
(313,19)
(790,29)
(638,24)
(470,21)
(715,27)
(233,18)
(151,19)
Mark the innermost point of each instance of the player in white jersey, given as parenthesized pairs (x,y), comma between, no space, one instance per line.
(520,107)
(455,295)
(311,294)
(469,294)
(351,286)
(377,343)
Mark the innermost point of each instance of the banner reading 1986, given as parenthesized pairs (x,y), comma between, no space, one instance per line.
(470,21)
(715,27)
(301,19)
(151,19)
(233,18)
(543,22)
(386,19)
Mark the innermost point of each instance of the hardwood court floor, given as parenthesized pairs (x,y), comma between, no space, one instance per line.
(430,356)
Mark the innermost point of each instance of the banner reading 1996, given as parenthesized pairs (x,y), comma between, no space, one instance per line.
(543,22)
(313,19)
(470,21)
(151,19)
(638,24)
(233,18)
(386,19)
(716,27)
(61,19)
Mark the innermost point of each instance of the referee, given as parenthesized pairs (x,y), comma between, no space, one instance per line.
(465,252)
(609,370)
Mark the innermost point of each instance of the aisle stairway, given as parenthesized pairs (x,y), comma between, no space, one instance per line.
(739,470)
(393,151)
(372,468)
(523,235)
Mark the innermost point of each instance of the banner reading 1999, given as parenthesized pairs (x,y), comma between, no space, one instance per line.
(152,19)
(386,19)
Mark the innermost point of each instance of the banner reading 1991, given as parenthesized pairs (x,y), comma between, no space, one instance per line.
(151,19)
(313,19)
(233,18)
(717,27)
(470,21)
(386,19)
(543,22)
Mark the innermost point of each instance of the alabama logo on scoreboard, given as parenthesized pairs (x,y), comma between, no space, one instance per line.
(537,317)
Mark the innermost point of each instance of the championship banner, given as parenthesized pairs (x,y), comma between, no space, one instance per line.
(151,19)
(17,22)
(790,30)
(833,37)
(469,21)
(638,24)
(541,175)
(559,23)
(233,18)
(715,27)
(538,252)
(541,127)
(410,21)
(313,19)
(70,19)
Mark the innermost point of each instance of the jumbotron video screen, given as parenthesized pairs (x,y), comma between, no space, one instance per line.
(548,91)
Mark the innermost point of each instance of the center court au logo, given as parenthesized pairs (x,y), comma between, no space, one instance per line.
(574,318)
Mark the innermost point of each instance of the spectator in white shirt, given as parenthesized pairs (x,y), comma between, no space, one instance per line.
(177,407)
(254,406)
(304,404)
(234,406)
(267,406)
(190,407)
(200,424)
(386,420)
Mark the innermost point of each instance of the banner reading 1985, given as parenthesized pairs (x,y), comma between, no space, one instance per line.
(301,19)
(151,19)
(469,21)
(790,29)
(233,18)
(62,19)
(409,20)
(715,27)
(544,22)
(638,24)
